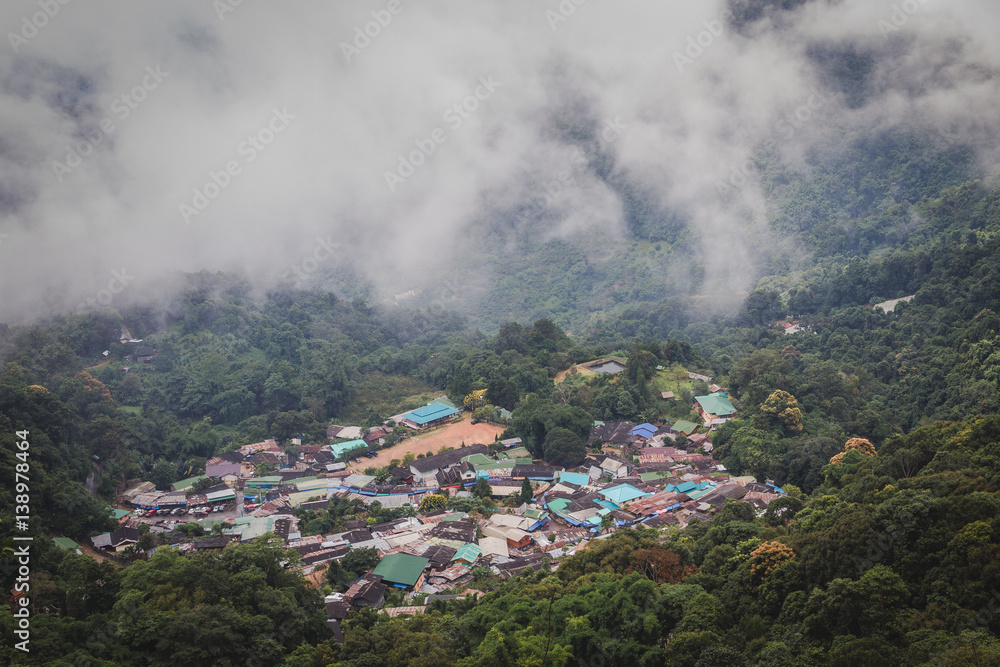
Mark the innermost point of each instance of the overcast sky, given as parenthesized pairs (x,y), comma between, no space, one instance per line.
(113,115)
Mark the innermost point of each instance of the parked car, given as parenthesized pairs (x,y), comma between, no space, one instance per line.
(219,508)
(151,513)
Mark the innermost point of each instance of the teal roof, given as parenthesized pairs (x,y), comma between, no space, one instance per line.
(698,493)
(119,514)
(578,478)
(430,413)
(469,552)
(716,404)
(341,448)
(401,568)
(684,487)
(622,493)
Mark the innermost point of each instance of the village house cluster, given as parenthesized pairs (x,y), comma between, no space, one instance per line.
(635,474)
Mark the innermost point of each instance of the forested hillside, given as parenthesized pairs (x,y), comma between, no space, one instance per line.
(884,559)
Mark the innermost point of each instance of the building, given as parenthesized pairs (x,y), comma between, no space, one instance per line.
(368,591)
(402,570)
(339,449)
(220,467)
(67,544)
(116,541)
(426,469)
(431,414)
(343,432)
(683,426)
(185,484)
(645,430)
(467,554)
(714,406)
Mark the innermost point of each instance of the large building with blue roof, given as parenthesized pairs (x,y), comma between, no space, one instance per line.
(431,414)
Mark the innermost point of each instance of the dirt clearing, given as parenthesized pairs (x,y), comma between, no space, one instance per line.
(451,435)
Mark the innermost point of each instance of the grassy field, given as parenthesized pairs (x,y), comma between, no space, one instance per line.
(379,391)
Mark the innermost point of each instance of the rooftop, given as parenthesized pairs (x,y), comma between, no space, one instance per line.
(401,568)
(429,413)
(716,404)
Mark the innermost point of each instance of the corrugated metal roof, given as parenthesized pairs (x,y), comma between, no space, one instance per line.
(401,568)
(429,413)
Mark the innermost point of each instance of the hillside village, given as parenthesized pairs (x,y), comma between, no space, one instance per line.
(441,523)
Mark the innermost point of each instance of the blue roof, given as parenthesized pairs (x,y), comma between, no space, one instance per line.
(578,478)
(430,412)
(622,493)
(645,430)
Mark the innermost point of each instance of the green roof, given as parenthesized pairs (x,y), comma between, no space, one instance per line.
(65,543)
(185,484)
(558,505)
(495,465)
(119,514)
(401,568)
(716,404)
(478,459)
(659,474)
(685,427)
(269,480)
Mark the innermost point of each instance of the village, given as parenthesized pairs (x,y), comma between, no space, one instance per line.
(652,475)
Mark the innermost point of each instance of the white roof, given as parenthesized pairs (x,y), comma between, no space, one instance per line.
(494,546)
(512,521)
